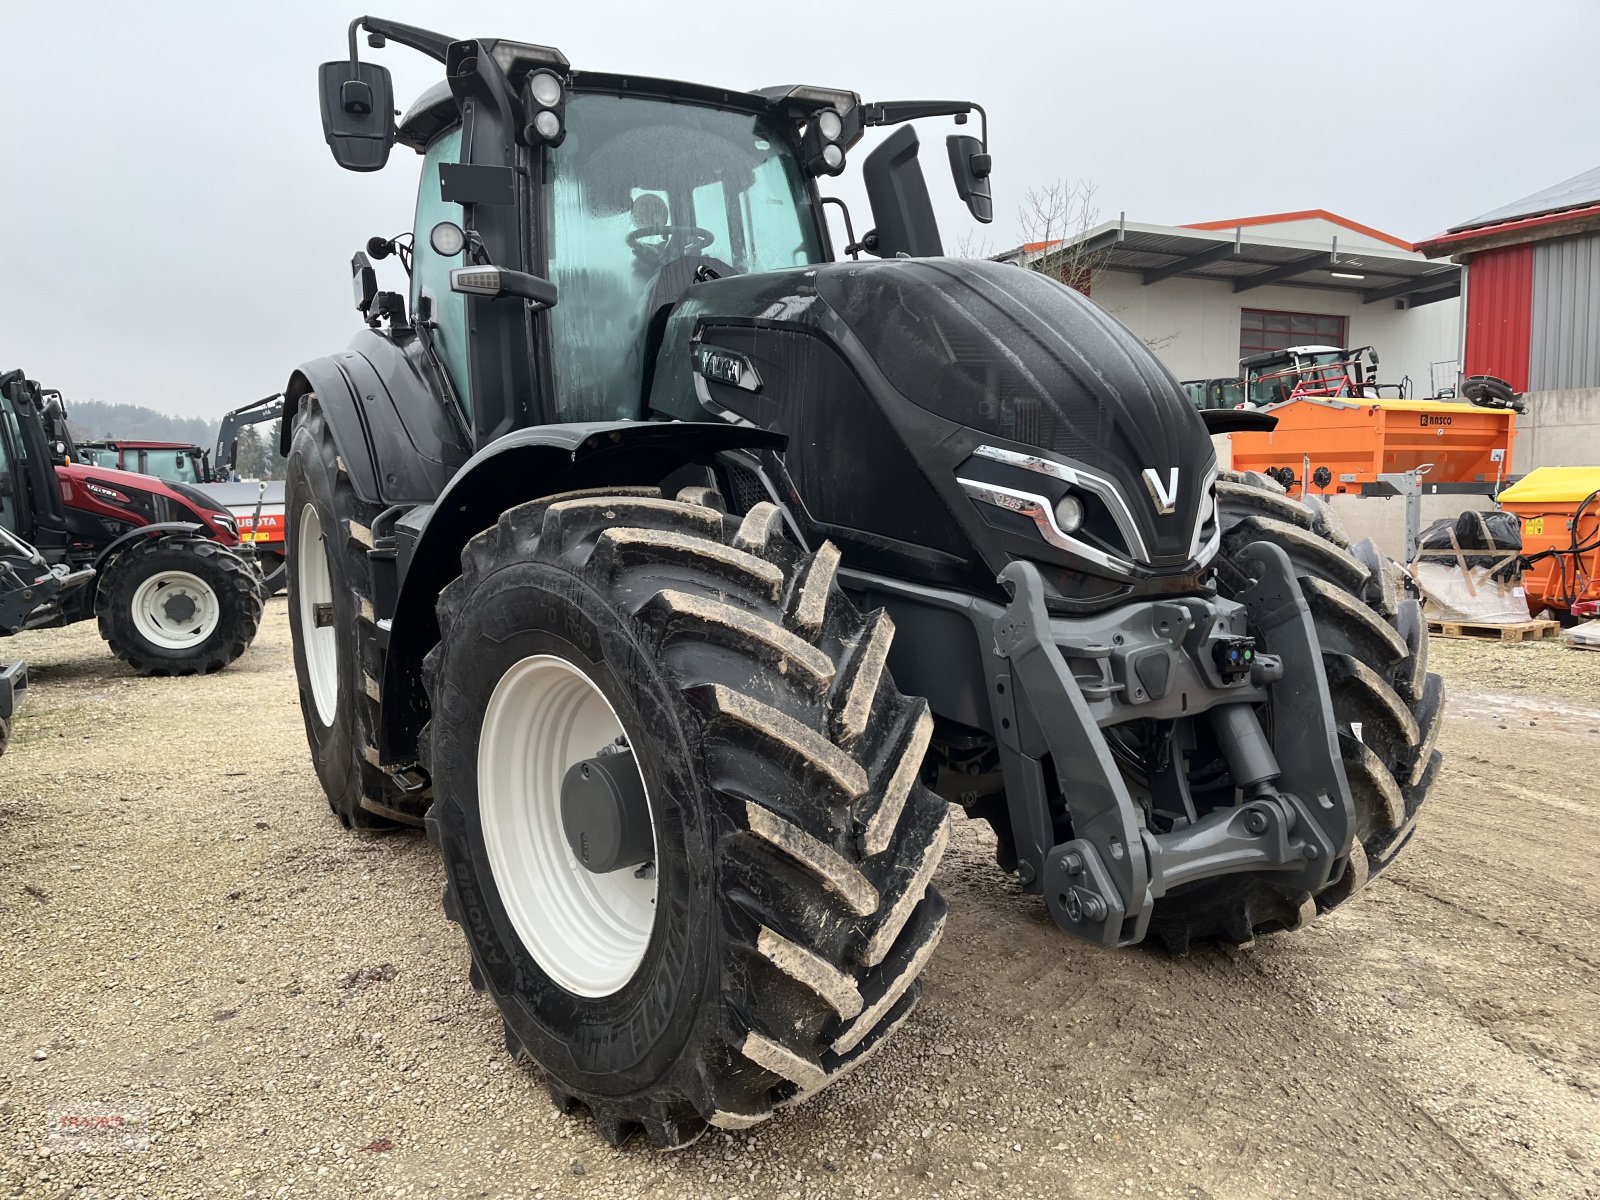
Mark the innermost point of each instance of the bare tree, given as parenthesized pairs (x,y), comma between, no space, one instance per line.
(1055,219)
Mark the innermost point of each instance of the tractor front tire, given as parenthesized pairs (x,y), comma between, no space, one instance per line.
(178,605)
(775,936)
(1386,703)
(327,533)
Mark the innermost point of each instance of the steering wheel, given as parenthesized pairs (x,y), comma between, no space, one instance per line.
(689,239)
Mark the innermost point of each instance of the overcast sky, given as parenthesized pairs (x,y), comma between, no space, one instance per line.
(174,233)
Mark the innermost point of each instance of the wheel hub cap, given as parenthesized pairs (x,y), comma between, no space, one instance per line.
(175,610)
(179,607)
(604,813)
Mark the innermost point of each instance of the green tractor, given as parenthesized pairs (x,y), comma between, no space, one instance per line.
(678,569)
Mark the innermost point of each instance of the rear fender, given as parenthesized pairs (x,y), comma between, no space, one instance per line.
(398,441)
(524,465)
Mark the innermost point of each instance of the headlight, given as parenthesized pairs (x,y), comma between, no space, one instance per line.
(829,125)
(1069,513)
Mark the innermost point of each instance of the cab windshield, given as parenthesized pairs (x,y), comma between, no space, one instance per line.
(176,466)
(644,195)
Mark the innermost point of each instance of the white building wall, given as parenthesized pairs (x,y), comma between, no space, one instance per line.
(1193,324)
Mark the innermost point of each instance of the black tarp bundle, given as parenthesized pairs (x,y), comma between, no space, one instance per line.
(1475,530)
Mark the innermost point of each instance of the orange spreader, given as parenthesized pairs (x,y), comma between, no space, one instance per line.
(1354,441)
(1556,503)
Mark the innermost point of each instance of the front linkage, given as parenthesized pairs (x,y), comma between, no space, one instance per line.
(1163,659)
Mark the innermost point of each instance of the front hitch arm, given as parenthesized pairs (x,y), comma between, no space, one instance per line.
(1099,880)
(1295,817)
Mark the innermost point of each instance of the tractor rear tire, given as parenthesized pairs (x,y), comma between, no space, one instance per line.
(178,605)
(338,685)
(790,913)
(1386,703)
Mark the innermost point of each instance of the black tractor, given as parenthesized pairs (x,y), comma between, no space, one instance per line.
(679,573)
(154,561)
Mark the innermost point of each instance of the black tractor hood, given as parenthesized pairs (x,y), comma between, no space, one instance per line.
(1008,353)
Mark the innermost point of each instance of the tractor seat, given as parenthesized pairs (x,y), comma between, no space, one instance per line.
(673,280)
(677,277)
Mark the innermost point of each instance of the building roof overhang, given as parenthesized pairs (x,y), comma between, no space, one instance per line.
(1248,260)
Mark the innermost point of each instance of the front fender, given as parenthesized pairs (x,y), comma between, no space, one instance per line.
(398,442)
(157,529)
(524,465)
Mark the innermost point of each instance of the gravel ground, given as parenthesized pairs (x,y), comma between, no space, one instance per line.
(195,947)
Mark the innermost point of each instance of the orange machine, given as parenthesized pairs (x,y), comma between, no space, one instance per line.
(1560,512)
(1348,443)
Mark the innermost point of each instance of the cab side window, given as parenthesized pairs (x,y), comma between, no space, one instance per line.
(430,276)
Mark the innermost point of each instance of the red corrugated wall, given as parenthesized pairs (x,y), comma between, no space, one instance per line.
(1500,313)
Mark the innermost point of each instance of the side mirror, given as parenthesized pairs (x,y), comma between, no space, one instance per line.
(970,167)
(497,283)
(898,194)
(357,113)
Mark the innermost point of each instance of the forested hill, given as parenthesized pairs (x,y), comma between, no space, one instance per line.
(90,419)
(257,456)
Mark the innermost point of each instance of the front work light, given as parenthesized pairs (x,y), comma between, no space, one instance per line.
(822,146)
(545,89)
(544,102)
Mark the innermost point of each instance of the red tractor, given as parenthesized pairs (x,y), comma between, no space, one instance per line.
(256,508)
(154,561)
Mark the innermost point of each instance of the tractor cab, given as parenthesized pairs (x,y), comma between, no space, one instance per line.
(601,199)
(1297,372)
(176,462)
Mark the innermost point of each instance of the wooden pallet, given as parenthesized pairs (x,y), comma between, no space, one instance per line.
(1575,644)
(1520,631)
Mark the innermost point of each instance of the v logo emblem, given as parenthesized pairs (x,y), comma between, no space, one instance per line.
(1164,494)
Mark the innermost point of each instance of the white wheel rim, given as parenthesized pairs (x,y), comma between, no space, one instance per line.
(314,587)
(588,932)
(175,610)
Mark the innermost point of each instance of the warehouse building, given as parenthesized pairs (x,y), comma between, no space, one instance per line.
(1532,283)
(1203,296)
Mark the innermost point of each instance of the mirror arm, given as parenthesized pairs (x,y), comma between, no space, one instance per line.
(424,41)
(892,112)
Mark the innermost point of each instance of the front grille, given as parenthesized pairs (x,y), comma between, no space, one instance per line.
(746,487)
